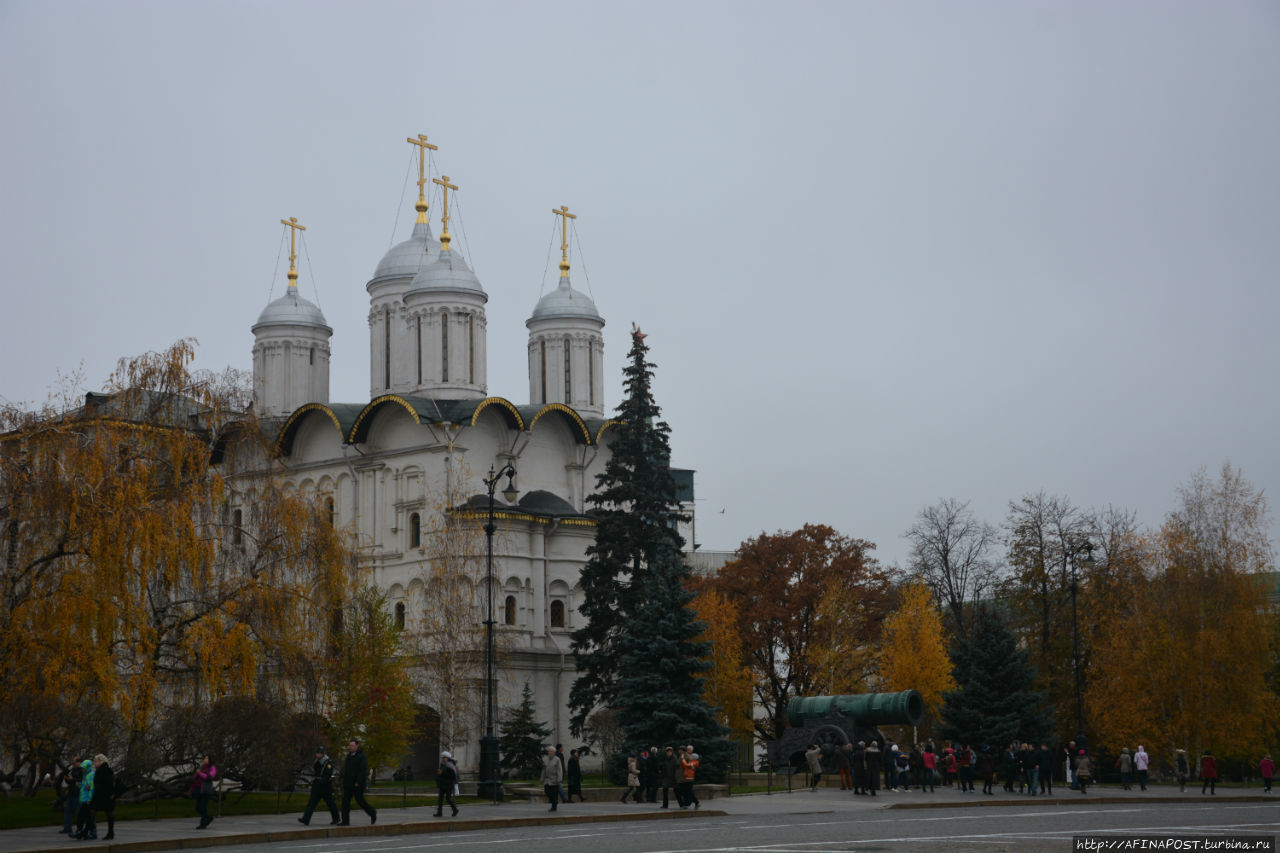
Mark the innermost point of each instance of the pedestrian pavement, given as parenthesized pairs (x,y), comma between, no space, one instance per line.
(137,836)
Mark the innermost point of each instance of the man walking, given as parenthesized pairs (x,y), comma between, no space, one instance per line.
(321,789)
(671,778)
(552,775)
(355,777)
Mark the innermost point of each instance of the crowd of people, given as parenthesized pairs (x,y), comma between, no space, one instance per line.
(672,770)
(91,788)
(1024,768)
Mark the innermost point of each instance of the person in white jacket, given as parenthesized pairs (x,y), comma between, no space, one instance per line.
(1141,763)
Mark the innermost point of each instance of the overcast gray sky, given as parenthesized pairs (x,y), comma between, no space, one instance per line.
(885,253)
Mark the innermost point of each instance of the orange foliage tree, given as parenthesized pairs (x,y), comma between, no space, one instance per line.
(726,684)
(913,650)
(138,576)
(1183,640)
(791,639)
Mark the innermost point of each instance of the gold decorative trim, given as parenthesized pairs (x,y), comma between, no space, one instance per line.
(375,403)
(498,401)
(562,408)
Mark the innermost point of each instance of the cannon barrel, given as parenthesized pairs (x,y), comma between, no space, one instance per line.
(869,709)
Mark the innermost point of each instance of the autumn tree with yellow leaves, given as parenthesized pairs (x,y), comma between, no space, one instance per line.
(143,580)
(913,650)
(1185,637)
(726,683)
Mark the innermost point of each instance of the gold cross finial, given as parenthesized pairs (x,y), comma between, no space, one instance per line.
(423,145)
(564,237)
(294,227)
(444,220)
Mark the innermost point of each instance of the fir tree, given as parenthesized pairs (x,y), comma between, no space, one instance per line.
(524,739)
(659,689)
(994,704)
(637,652)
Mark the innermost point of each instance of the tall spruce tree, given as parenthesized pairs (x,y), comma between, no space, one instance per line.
(659,689)
(636,652)
(994,703)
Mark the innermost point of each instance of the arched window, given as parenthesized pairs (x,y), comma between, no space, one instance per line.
(312,356)
(417,337)
(509,611)
(542,390)
(386,347)
(591,372)
(399,615)
(568,379)
(415,531)
(444,347)
(557,614)
(471,348)
(237,532)
(330,511)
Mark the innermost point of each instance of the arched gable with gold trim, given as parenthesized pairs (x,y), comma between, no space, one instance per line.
(572,419)
(504,407)
(339,416)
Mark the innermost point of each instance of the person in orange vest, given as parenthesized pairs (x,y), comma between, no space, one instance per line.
(689,765)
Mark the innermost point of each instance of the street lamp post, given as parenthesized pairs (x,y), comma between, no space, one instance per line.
(1074,555)
(490,781)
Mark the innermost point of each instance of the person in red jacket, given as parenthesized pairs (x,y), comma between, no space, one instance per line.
(1268,769)
(1208,773)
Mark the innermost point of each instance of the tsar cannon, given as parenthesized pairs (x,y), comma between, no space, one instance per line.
(832,721)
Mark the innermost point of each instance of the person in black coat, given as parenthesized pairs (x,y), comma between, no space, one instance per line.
(671,777)
(1046,769)
(446,779)
(1009,760)
(355,777)
(986,766)
(104,795)
(871,756)
(573,776)
(321,789)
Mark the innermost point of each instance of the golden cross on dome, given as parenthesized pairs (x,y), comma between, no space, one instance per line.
(423,145)
(294,227)
(564,237)
(444,220)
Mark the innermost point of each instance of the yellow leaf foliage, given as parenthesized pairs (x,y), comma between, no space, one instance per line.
(727,683)
(126,582)
(1180,653)
(913,649)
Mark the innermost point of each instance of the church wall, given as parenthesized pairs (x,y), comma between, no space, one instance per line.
(317,440)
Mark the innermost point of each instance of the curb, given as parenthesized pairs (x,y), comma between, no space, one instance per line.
(1069,801)
(390,829)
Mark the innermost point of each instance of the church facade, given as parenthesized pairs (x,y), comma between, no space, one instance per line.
(395,469)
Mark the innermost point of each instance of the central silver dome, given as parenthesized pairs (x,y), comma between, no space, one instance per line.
(407,258)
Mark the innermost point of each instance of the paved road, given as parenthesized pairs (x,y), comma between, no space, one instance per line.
(804,822)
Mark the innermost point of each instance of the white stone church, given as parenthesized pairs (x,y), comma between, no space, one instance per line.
(432,429)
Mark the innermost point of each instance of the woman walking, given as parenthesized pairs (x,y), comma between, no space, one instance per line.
(104,795)
(1208,773)
(1083,771)
(446,778)
(202,788)
(633,780)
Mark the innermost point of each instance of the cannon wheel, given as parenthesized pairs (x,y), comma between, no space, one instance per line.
(829,738)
